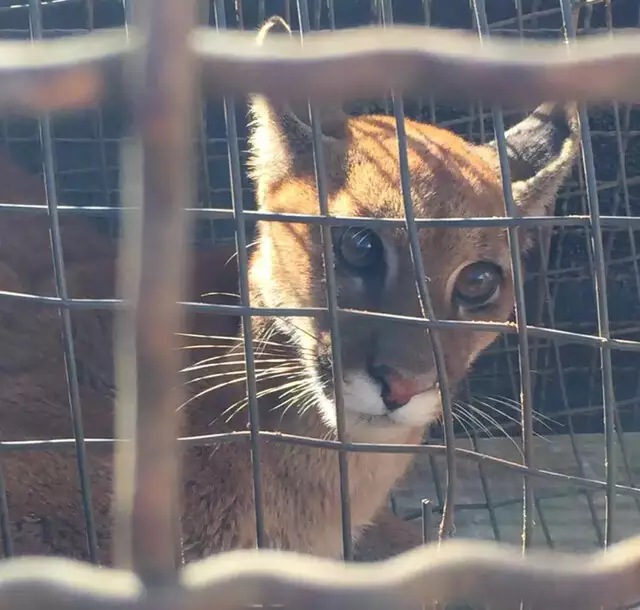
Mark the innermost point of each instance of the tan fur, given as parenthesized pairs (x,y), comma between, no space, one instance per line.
(43,491)
(301,486)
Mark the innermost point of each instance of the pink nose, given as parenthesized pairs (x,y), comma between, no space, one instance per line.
(397,390)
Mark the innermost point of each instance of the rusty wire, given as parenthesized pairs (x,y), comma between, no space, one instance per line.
(49,76)
(481,572)
(151,281)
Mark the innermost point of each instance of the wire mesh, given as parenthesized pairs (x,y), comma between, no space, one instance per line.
(586,277)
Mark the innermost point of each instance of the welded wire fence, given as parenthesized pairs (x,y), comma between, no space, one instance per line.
(152,70)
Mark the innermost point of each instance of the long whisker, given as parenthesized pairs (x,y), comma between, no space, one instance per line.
(220,294)
(305,399)
(541,418)
(265,340)
(208,364)
(497,425)
(310,399)
(475,421)
(238,406)
(298,328)
(259,374)
(517,406)
(236,343)
(229,338)
(307,394)
(240,378)
(509,417)
(261,350)
(289,388)
(457,416)
(249,245)
(282,318)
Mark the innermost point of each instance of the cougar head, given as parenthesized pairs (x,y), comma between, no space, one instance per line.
(389,377)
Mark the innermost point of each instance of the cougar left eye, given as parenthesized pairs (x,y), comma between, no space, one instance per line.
(477,285)
(361,249)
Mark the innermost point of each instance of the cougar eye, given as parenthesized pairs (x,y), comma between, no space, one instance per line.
(360,248)
(477,285)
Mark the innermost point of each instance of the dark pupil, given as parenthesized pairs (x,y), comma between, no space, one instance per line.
(478,282)
(360,247)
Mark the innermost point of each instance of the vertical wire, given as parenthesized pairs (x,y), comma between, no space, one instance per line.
(621,147)
(565,400)
(602,307)
(5,521)
(379,9)
(481,470)
(204,164)
(46,140)
(204,19)
(426,512)
(533,352)
(484,482)
(544,242)
(433,465)
(317,14)
(544,526)
(332,303)
(123,486)
(521,320)
(474,438)
(100,135)
(447,523)
(239,13)
(129,14)
(151,280)
(332,14)
(241,246)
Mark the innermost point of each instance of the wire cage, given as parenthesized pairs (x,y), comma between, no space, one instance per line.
(581,284)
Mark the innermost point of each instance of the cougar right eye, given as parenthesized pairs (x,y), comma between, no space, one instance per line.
(360,249)
(477,285)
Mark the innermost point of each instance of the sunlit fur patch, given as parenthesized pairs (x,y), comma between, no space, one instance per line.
(364,406)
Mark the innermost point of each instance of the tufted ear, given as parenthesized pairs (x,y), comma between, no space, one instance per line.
(280,141)
(542,149)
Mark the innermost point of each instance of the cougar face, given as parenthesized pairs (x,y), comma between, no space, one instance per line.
(389,377)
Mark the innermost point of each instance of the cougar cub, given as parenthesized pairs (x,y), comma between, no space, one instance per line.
(389,383)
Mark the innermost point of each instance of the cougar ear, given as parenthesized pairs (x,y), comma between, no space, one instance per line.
(541,149)
(280,140)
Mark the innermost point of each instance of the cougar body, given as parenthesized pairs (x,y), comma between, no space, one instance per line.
(389,384)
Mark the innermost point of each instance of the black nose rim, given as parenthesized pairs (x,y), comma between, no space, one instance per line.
(391,405)
(378,373)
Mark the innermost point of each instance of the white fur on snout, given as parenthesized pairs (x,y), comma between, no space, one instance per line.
(420,411)
(362,396)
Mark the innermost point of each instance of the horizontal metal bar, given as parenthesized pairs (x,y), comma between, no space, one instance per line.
(64,74)
(80,71)
(530,222)
(369,61)
(310,312)
(204,440)
(480,572)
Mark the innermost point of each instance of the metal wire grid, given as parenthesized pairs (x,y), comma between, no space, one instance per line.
(603,342)
(489,373)
(88,175)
